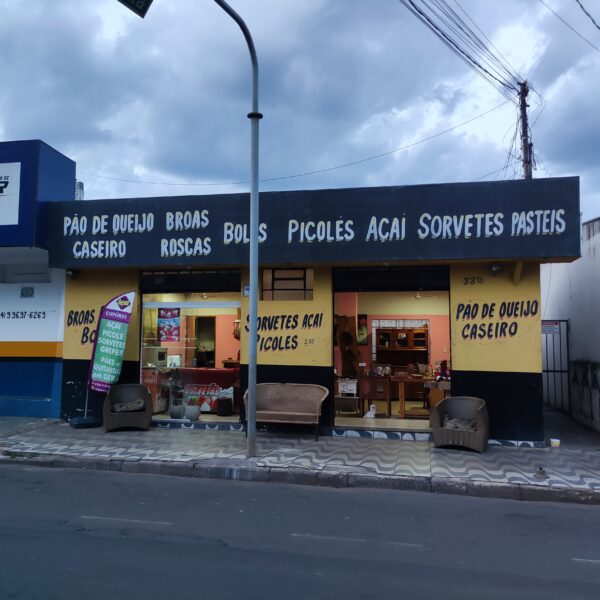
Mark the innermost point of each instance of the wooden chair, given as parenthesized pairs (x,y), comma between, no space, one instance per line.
(373,388)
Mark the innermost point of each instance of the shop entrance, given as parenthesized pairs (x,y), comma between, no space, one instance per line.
(391,346)
(190,345)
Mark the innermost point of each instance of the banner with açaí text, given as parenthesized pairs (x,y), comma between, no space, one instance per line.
(109,347)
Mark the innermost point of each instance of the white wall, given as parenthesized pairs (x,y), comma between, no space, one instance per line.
(36,319)
(572,291)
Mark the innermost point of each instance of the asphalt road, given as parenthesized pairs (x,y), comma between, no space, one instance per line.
(88,535)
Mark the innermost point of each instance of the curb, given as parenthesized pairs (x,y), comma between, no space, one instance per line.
(247,471)
(29,426)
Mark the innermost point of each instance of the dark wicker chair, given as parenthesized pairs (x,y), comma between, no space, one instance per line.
(460,408)
(127,405)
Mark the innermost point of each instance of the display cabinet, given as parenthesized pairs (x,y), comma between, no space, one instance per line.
(402,347)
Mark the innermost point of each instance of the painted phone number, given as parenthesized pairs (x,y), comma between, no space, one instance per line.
(23,314)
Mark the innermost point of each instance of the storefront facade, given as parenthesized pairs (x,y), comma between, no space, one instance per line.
(32,176)
(470,251)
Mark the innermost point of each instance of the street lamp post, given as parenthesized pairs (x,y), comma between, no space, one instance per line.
(140,7)
(255,116)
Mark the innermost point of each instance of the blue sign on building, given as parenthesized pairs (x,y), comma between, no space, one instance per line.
(31,172)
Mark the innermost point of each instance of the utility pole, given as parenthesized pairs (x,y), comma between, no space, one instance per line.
(526,145)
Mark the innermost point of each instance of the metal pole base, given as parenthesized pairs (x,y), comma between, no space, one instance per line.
(82,422)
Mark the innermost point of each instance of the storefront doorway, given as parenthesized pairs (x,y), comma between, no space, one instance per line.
(190,345)
(391,347)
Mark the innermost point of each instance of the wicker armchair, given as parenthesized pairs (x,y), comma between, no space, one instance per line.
(453,419)
(127,405)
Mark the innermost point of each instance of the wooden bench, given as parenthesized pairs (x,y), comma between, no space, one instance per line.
(296,403)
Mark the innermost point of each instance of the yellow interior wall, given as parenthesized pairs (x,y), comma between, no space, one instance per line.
(475,285)
(193,297)
(403,303)
(313,345)
(85,295)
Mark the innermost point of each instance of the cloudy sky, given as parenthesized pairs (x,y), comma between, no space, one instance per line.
(157,106)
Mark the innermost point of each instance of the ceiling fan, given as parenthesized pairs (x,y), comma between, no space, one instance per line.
(208,296)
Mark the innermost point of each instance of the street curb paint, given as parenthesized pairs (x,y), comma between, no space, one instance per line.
(238,470)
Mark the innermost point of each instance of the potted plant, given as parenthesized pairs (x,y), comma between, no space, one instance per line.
(176,408)
(192,407)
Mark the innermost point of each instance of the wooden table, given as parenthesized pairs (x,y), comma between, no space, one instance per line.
(401,381)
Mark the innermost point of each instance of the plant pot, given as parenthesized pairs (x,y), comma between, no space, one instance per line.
(177,411)
(192,412)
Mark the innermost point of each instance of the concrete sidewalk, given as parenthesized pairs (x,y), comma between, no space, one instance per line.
(570,473)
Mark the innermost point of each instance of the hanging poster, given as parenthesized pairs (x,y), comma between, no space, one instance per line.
(168,324)
(109,347)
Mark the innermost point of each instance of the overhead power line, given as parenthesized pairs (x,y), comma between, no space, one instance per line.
(520,78)
(587,14)
(570,27)
(478,54)
(305,174)
(515,162)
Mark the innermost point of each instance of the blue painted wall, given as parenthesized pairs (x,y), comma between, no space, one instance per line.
(30,387)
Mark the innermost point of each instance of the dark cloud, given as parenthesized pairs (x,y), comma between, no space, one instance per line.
(165,98)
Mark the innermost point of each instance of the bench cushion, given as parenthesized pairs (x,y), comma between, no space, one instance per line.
(286,417)
(131,406)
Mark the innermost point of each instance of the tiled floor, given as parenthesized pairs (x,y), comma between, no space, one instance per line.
(384,424)
(563,468)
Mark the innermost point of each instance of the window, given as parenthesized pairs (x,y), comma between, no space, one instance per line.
(287,284)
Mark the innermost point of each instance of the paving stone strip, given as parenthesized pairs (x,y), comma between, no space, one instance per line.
(509,473)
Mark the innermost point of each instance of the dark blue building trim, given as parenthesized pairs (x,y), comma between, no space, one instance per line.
(31,387)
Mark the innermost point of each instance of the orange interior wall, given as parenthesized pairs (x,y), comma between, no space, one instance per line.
(439,336)
(226,346)
(346,304)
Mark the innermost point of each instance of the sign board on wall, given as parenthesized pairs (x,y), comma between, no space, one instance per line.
(31,174)
(294,333)
(495,324)
(508,219)
(84,298)
(550,327)
(10,190)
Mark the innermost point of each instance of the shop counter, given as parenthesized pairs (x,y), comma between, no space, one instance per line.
(203,383)
(224,378)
